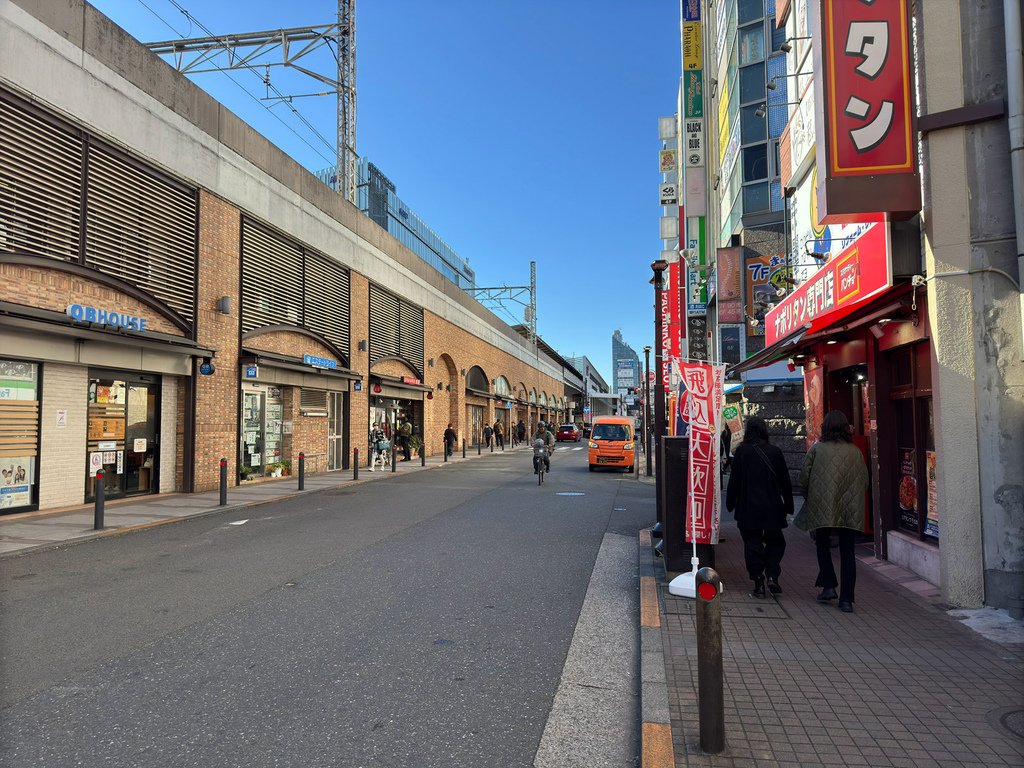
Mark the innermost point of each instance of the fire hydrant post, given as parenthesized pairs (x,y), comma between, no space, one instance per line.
(710,697)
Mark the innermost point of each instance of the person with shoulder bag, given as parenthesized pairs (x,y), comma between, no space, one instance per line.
(834,479)
(761,495)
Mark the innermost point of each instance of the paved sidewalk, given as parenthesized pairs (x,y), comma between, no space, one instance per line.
(896,683)
(22,533)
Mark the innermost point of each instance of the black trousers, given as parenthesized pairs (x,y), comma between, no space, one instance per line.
(763,551)
(847,561)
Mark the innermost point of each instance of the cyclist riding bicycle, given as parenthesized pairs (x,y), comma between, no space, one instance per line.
(543,447)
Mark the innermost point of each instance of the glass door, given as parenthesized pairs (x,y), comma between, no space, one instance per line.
(335,430)
(122,433)
(141,439)
(252,434)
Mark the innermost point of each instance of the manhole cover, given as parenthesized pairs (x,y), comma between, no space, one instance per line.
(570,493)
(1009,720)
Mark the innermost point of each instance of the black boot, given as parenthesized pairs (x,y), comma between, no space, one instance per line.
(759,588)
(773,586)
(827,594)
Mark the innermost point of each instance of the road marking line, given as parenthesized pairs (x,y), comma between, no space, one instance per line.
(239,522)
(577,449)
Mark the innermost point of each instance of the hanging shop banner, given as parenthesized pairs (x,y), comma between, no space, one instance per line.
(697,291)
(693,147)
(693,93)
(703,382)
(693,46)
(931,523)
(695,192)
(728,280)
(674,346)
(691,10)
(731,415)
(860,272)
(865,110)
(667,160)
(760,292)
(668,194)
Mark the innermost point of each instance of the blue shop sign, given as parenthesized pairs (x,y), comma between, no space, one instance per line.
(108,317)
(319,362)
(252,372)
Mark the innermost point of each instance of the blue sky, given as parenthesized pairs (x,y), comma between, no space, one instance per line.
(518,130)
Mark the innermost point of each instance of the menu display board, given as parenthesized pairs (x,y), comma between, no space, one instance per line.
(907,489)
(931,523)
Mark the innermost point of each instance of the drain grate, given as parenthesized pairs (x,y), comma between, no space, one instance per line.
(1008,720)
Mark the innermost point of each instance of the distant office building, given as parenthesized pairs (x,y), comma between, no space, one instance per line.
(597,400)
(376,198)
(625,372)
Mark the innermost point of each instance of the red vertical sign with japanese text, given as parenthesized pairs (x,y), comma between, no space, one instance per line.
(865,110)
(703,383)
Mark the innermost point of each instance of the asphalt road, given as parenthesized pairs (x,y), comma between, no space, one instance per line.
(422,621)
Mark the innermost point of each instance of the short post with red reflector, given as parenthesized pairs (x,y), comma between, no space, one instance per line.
(302,471)
(710,698)
(223,482)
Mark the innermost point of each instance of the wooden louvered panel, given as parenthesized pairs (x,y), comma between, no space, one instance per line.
(384,323)
(271,279)
(19,428)
(142,229)
(327,299)
(410,337)
(40,186)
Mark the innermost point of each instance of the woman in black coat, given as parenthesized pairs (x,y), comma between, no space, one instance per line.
(761,494)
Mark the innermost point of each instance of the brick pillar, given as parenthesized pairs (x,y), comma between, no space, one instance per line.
(216,396)
(358,422)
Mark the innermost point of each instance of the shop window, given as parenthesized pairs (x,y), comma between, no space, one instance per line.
(752,84)
(752,127)
(262,431)
(755,163)
(749,10)
(19,435)
(751,44)
(755,198)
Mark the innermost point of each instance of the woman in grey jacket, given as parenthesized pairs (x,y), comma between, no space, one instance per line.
(835,480)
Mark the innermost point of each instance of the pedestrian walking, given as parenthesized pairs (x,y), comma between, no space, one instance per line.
(488,434)
(761,495)
(404,437)
(379,446)
(449,440)
(499,435)
(834,479)
(521,431)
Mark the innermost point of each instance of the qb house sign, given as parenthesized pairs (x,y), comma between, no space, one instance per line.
(110,318)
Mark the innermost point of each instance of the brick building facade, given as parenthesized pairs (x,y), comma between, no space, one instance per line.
(174,290)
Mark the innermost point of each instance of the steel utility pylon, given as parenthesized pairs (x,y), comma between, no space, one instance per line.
(248,50)
(515,293)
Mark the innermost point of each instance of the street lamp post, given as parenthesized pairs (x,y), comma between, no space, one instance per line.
(647,407)
(658,267)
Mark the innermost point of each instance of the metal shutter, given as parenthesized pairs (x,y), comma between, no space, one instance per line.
(271,279)
(327,300)
(141,228)
(313,402)
(40,186)
(410,334)
(384,312)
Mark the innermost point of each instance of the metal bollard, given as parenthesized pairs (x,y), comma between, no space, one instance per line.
(100,492)
(479,444)
(394,458)
(355,463)
(302,471)
(223,482)
(710,699)
(463,448)
(491,444)
(423,456)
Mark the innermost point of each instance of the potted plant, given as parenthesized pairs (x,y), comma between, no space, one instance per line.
(245,472)
(274,469)
(285,466)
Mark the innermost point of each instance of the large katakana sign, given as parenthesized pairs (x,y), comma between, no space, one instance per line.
(864,97)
